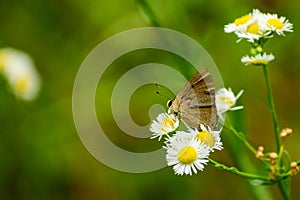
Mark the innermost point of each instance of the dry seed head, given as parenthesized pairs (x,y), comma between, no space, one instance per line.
(294,169)
(260,152)
(273,158)
(286,132)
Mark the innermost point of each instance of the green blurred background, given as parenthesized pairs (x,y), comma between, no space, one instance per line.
(41,155)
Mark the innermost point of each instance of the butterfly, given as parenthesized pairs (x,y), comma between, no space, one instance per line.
(195,102)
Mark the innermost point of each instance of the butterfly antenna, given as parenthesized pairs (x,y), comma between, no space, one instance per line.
(163,95)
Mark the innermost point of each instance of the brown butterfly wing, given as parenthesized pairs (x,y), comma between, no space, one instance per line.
(195,103)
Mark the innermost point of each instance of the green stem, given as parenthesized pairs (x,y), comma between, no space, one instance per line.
(242,137)
(236,171)
(281,150)
(284,191)
(284,188)
(238,151)
(284,175)
(148,12)
(272,108)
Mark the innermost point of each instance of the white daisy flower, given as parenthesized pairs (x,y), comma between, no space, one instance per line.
(226,100)
(239,24)
(186,155)
(277,24)
(257,59)
(163,125)
(19,70)
(208,137)
(254,32)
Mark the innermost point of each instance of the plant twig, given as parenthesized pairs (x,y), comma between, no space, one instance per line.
(242,137)
(236,171)
(272,107)
(284,189)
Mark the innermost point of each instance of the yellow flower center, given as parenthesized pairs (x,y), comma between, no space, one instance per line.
(22,84)
(187,155)
(259,62)
(253,28)
(275,23)
(207,138)
(168,122)
(226,100)
(242,20)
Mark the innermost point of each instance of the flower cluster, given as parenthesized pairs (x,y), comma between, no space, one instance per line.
(188,151)
(257,27)
(18,69)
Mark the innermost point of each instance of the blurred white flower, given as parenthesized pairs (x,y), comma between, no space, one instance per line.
(187,155)
(164,124)
(277,24)
(258,59)
(179,135)
(226,100)
(18,69)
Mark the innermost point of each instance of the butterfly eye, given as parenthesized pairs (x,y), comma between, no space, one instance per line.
(169,103)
